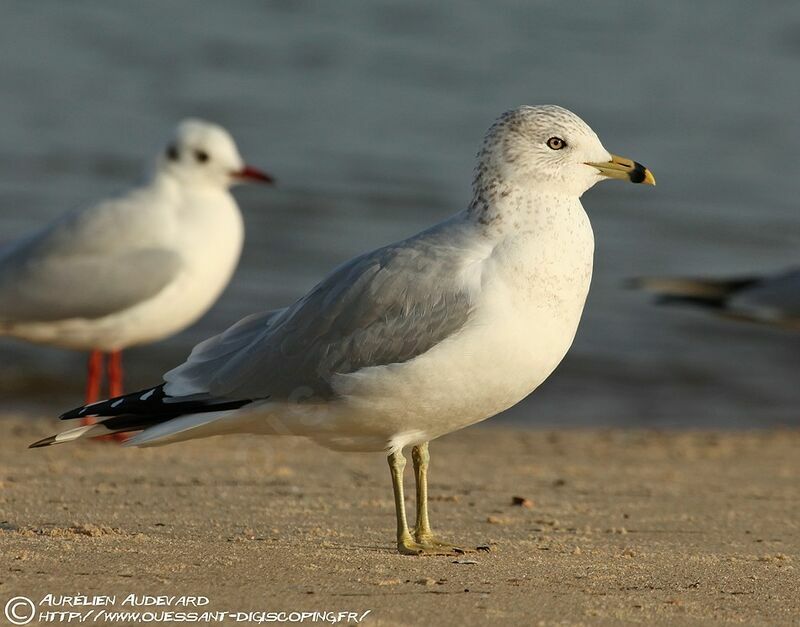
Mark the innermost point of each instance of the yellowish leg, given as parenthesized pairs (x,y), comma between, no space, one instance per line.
(424,543)
(422,531)
(405,543)
(421,457)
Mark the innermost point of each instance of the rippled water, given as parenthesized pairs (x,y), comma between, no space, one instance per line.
(369,113)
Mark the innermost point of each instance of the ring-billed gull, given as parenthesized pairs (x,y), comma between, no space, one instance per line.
(771,299)
(133,269)
(413,340)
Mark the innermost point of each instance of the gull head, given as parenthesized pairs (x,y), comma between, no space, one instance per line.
(551,149)
(202,153)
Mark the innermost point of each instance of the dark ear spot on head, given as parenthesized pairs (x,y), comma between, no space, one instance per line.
(172,152)
(201,156)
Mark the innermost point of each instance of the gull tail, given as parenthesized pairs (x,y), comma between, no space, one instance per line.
(144,411)
(709,293)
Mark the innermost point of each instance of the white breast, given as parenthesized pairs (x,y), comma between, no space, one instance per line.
(533,288)
(209,235)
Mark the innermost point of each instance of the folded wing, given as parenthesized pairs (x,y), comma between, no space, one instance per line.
(384,307)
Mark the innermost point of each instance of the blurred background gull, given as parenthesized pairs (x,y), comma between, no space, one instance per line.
(370,113)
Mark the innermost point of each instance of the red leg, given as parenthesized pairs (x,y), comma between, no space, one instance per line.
(115,387)
(94,377)
(115,374)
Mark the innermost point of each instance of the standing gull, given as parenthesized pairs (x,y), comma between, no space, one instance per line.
(771,299)
(413,340)
(134,269)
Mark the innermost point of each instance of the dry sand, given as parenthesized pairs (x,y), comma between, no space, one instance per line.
(622,526)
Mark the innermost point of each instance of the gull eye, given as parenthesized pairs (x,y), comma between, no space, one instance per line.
(556,143)
(172,152)
(201,156)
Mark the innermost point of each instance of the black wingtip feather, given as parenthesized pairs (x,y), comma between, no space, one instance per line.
(148,407)
(125,404)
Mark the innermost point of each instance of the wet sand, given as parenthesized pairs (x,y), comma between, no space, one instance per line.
(616,526)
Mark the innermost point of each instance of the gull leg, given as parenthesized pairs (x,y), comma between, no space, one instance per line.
(93,376)
(115,387)
(405,543)
(115,374)
(421,457)
(94,379)
(422,531)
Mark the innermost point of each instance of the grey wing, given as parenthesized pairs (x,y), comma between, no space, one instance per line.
(772,299)
(39,283)
(191,377)
(385,307)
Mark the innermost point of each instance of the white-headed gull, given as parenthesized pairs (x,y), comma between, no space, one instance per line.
(771,299)
(413,340)
(136,268)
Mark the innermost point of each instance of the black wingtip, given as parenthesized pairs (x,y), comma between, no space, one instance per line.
(142,409)
(80,412)
(119,404)
(44,442)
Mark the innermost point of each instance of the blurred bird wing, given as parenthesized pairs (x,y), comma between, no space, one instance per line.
(92,262)
(772,299)
(59,287)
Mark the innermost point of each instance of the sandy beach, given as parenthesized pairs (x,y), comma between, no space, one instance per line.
(614,526)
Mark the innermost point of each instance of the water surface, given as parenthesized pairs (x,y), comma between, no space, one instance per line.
(370,113)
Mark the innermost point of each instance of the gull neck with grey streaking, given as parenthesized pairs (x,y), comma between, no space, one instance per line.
(413,340)
(136,268)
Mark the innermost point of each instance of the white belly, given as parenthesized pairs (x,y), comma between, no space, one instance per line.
(212,250)
(532,297)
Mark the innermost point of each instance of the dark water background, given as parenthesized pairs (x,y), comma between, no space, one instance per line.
(370,113)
